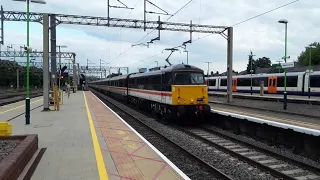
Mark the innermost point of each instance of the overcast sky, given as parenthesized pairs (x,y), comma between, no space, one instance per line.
(263,35)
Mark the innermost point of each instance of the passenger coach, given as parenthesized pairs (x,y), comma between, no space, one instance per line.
(297,83)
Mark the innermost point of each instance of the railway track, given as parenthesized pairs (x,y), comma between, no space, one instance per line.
(4,100)
(191,163)
(275,164)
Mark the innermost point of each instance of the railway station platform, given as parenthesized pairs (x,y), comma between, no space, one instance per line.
(270,97)
(87,140)
(301,117)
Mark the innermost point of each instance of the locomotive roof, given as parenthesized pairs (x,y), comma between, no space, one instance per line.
(177,67)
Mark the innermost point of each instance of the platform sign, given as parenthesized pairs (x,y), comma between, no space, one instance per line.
(278,67)
(287,65)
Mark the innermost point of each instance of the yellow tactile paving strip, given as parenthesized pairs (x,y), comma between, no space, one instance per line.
(133,158)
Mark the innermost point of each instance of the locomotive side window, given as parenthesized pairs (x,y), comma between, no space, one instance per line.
(185,78)
(167,82)
(157,82)
(154,82)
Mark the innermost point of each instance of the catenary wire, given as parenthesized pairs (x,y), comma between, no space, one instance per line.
(153,30)
(231,26)
(235,24)
(252,18)
(114,37)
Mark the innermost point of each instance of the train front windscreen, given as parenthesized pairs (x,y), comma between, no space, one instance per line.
(188,78)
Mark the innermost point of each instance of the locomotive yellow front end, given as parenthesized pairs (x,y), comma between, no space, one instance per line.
(190,94)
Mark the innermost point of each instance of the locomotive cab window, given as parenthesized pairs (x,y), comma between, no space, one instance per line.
(185,78)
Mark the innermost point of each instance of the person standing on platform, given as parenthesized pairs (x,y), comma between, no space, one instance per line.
(68,90)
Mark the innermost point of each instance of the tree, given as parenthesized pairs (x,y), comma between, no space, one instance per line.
(263,62)
(303,58)
(8,75)
(249,64)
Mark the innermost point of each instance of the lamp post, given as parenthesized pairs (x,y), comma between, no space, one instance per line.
(61,46)
(251,70)
(309,47)
(28,49)
(285,22)
(208,68)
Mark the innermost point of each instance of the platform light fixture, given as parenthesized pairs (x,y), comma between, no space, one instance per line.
(285,22)
(28,51)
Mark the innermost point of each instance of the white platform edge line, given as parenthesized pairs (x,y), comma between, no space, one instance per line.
(276,124)
(268,96)
(149,144)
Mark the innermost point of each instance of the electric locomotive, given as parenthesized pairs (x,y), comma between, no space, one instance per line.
(177,92)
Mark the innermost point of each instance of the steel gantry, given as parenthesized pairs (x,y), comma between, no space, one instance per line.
(97,70)
(56,19)
(114,22)
(32,54)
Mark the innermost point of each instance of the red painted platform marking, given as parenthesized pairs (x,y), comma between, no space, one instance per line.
(160,171)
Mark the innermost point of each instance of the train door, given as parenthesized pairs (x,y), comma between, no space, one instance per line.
(234,84)
(272,84)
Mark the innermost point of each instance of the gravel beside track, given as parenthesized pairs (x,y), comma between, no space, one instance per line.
(193,168)
(281,151)
(277,166)
(6,146)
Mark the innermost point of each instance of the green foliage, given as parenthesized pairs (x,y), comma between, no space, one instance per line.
(8,75)
(263,62)
(303,58)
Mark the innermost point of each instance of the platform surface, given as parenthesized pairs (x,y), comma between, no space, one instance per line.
(276,96)
(85,140)
(312,123)
(67,137)
(132,156)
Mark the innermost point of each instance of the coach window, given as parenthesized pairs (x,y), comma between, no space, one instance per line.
(280,81)
(223,82)
(315,81)
(292,81)
(212,82)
